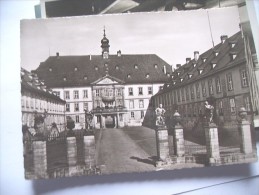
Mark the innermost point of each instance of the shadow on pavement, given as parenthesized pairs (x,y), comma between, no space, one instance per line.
(147,161)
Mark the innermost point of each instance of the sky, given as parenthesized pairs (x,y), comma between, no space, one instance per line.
(173,36)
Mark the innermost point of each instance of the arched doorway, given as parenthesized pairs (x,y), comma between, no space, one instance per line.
(110,121)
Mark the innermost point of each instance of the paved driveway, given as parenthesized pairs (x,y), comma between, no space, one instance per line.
(126,150)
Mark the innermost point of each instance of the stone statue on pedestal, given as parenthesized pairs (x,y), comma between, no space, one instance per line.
(160,115)
(208,112)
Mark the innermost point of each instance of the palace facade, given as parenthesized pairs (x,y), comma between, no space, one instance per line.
(115,89)
(219,76)
(37,99)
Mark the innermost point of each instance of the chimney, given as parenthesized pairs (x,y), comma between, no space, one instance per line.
(223,38)
(178,65)
(173,68)
(57,54)
(164,69)
(196,55)
(119,53)
(188,60)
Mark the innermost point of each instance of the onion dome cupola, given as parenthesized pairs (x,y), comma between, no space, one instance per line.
(105,46)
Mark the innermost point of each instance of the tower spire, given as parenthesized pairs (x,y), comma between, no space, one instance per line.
(105,45)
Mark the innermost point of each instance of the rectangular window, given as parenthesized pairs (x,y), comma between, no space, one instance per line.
(187,93)
(67,95)
(140,91)
(67,107)
(218,85)
(77,119)
(204,89)
(119,92)
(130,91)
(22,102)
(178,96)
(141,103)
(76,94)
(150,91)
(198,90)
(221,107)
(230,82)
(97,92)
(192,92)
(232,105)
(85,94)
(211,91)
(131,104)
(182,93)
(247,103)
(86,106)
(244,78)
(32,103)
(142,114)
(76,107)
(119,103)
(132,114)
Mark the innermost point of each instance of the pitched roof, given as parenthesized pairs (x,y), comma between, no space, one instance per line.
(210,62)
(71,71)
(31,83)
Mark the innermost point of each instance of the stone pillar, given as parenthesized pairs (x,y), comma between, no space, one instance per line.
(89,151)
(212,143)
(71,155)
(162,143)
(171,142)
(40,159)
(245,131)
(246,139)
(179,141)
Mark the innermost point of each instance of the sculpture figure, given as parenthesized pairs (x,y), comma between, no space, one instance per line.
(160,115)
(208,112)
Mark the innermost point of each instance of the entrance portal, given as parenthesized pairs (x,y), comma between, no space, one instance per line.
(109,121)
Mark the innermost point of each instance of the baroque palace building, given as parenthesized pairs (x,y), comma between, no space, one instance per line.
(115,89)
(219,76)
(37,99)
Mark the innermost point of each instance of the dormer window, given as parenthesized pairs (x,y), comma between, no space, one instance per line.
(105,65)
(136,66)
(213,65)
(129,76)
(181,79)
(85,77)
(117,67)
(168,75)
(216,53)
(178,73)
(96,68)
(190,76)
(204,59)
(50,69)
(167,85)
(233,56)
(155,65)
(147,75)
(174,82)
(172,76)
(200,71)
(64,78)
(194,65)
(75,69)
(232,44)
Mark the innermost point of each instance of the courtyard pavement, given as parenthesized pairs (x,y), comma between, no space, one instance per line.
(126,150)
